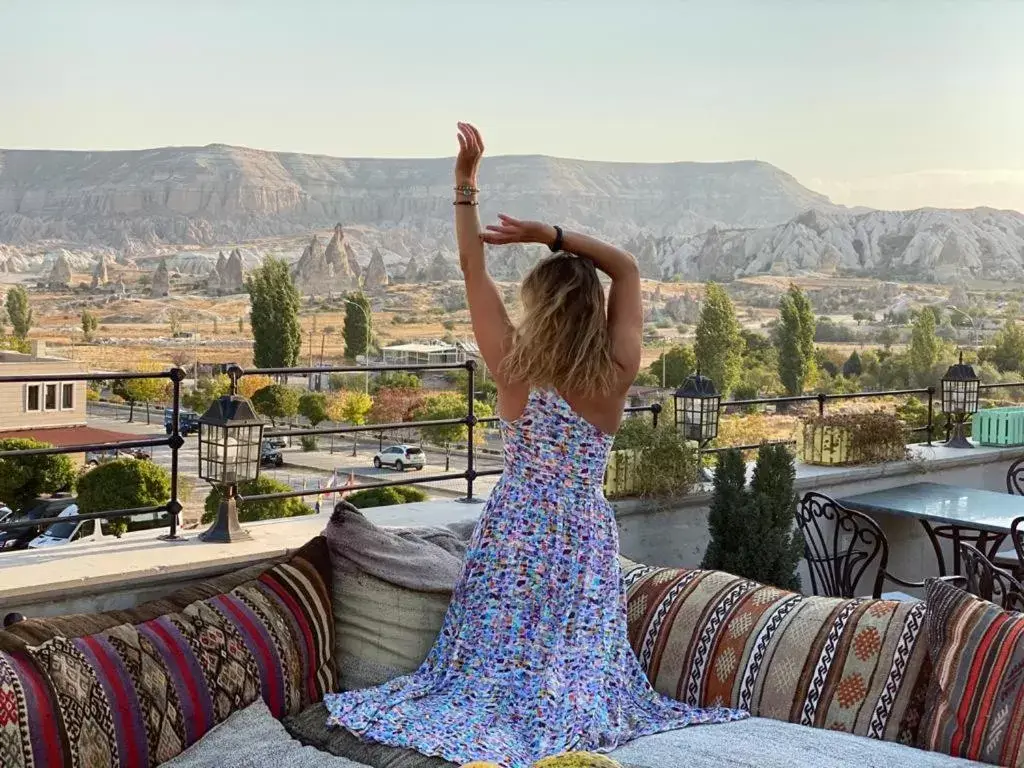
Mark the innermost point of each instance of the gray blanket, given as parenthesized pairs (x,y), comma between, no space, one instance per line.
(424,559)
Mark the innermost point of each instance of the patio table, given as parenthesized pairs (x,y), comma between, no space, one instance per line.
(949,512)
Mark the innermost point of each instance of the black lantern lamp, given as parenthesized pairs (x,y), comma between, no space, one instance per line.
(230,437)
(697,404)
(960,389)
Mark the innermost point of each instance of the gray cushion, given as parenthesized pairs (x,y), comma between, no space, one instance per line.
(252,738)
(763,743)
(310,727)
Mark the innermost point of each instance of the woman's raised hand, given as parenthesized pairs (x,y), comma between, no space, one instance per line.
(509,230)
(471,149)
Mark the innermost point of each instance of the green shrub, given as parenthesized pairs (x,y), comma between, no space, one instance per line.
(258,510)
(752,529)
(871,437)
(386,497)
(123,484)
(23,479)
(308,442)
(665,464)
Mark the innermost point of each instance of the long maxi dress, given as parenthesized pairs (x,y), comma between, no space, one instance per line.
(533,657)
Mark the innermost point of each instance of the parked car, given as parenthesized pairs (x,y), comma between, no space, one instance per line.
(270,455)
(92,458)
(401,457)
(188,421)
(65,531)
(19,538)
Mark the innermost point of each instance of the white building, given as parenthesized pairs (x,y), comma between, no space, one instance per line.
(430,353)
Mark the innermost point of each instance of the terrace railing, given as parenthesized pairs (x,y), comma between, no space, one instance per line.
(175,441)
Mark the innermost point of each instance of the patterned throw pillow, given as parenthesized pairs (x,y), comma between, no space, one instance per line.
(976,696)
(138,687)
(712,639)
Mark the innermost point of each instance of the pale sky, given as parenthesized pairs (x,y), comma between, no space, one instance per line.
(892,104)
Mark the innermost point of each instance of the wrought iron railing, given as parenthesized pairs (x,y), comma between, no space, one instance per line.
(175,441)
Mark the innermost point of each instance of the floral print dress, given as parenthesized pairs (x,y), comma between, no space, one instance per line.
(533,657)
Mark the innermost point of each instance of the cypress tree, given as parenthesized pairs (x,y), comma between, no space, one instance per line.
(753,531)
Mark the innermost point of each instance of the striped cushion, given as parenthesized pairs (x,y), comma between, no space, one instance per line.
(136,693)
(712,639)
(976,697)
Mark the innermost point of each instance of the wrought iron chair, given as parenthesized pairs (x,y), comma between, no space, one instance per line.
(988,582)
(840,545)
(1015,478)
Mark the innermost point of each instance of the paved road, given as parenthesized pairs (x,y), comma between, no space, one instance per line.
(308,470)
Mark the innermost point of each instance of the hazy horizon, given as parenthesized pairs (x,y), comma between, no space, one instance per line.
(875,104)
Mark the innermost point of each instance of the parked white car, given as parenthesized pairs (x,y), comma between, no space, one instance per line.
(401,457)
(64,532)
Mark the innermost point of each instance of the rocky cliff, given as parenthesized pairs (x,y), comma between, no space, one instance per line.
(205,195)
(695,221)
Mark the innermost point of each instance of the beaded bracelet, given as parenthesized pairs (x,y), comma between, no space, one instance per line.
(466,189)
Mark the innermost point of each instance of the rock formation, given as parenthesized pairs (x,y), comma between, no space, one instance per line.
(413,272)
(213,281)
(342,260)
(232,278)
(440,269)
(100,275)
(161,286)
(313,275)
(375,278)
(60,275)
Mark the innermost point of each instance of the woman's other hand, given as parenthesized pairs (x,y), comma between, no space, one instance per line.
(471,149)
(509,230)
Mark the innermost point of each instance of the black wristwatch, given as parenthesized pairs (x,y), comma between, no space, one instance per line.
(557,245)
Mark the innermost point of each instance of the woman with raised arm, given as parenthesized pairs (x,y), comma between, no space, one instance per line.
(533,657)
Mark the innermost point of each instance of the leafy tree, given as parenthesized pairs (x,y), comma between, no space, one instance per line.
(276,401)
(251,511)
(853,366)
(673,366)
(646,379)
(924,346)
(447,405)
(863,317)
(394,404)
(752,530)
(1007,351)
(19,311)
(352,408)
(313,405)
(250,385)
(123,484)
(795,339)
(174,321)
(89,325)
(206,391)
(356,332)
(888,336)
(274,315)
(718,347)
(24,478)
(484,388)
(141,391)
(395,380)
(241,325)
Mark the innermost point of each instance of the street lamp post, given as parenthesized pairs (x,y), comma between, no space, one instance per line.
(366,352)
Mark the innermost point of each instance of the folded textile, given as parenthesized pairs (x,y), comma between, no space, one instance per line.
(427,559)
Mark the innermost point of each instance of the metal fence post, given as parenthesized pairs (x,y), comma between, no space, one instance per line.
(821,403)
(931,413)
(655,412)
(470,431)
(175,441)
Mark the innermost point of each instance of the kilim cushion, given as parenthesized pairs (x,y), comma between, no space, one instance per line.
(711,639)
(135,688)
(976,696)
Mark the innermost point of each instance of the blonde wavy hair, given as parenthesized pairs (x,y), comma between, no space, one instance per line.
(562,341)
